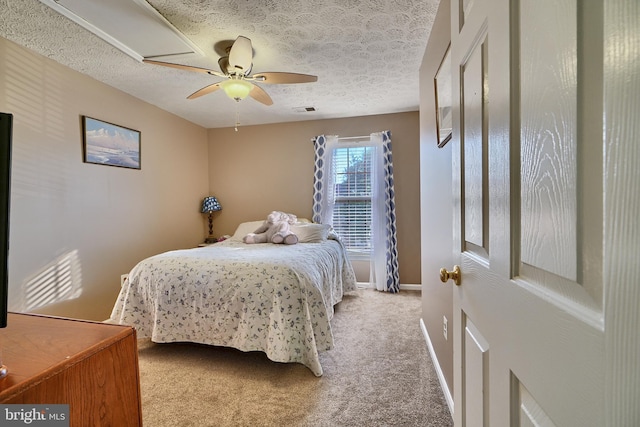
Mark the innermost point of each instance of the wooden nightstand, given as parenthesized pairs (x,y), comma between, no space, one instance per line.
(91,366)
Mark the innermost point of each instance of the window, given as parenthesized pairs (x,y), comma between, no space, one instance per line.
(352,170)
(353,190)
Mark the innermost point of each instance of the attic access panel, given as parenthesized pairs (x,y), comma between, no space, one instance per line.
(133,26)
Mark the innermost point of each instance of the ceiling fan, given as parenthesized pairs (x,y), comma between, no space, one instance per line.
(236,70)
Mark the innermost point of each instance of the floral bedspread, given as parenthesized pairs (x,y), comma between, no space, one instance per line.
(273,298)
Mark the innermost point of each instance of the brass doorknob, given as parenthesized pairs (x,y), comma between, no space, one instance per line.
(454,275)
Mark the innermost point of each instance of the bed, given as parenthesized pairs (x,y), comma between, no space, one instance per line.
(278,299)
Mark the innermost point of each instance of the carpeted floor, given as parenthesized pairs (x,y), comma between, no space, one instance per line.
(378,374)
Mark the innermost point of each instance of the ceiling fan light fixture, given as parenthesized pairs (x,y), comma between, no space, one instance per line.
(236,89)
(236,68)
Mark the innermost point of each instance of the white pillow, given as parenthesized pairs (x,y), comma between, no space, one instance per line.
(310,232)
(246,228)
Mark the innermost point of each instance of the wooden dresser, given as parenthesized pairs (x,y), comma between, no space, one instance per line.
(91,366)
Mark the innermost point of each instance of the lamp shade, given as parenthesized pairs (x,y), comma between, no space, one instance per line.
(210,204)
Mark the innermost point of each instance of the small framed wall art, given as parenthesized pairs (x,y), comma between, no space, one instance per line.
(104,143)
(443,90)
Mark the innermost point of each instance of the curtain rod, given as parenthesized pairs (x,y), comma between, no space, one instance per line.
(340,138)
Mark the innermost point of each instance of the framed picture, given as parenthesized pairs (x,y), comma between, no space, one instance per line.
(108,144)
(443,90)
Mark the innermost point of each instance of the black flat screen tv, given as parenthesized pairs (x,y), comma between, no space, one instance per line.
(6,121)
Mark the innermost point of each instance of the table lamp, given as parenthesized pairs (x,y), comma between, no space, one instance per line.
(209,205)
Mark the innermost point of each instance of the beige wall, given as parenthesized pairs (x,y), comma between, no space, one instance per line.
(270,167)
(437,203)
(99,220)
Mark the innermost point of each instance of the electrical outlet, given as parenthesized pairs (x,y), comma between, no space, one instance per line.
(444,327)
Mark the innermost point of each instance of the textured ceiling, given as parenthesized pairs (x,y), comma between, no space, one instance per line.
(366,54)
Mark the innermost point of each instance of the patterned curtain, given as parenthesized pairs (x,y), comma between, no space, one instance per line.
(384,261)
(384,274)
(323,185)
(319,184)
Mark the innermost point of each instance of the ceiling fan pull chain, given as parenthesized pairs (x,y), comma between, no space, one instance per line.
(237,117)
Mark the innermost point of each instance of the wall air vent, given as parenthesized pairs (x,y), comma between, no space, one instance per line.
(133,26)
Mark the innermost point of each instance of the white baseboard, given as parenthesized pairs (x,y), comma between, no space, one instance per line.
(436,364)
(402,287)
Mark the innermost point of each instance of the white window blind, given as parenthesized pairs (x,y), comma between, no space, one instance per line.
(352,177)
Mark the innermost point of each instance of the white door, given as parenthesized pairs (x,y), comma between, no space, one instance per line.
(546,107)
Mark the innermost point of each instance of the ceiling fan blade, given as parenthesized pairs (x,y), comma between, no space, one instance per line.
(284,78)
(184,67)
(241,56)
(260,95)
(204,91)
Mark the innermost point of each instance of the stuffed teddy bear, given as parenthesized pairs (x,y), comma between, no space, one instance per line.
(275,229)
